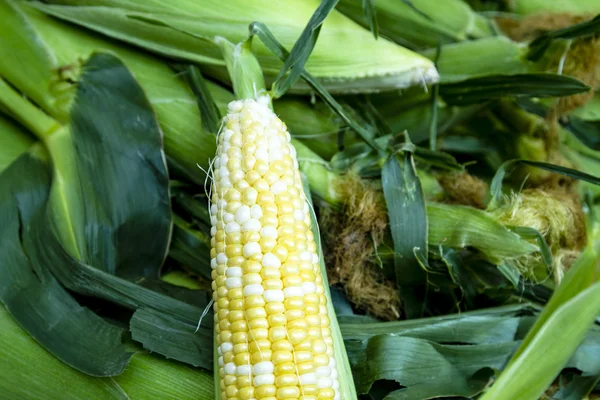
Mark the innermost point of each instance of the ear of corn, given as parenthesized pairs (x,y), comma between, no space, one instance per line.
(346,58)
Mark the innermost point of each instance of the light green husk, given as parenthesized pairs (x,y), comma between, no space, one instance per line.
(14,141)
(346,58)
(449,21)
(555,6)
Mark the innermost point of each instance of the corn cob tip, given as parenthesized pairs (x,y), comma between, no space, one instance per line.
(271,319)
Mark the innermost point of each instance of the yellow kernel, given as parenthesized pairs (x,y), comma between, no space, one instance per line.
(294,303)
(290,268)
(249,148)
(233,316)
(310,392)
(299,323)
(269,208)
(223,303)
(303,356)
(229,380)
(275,308)
(321,360)
(225,336)
(233,250)
(261,168)
(301,246)
(251,267)
(252,176)
(240,348)
(305,368)
(285,231)
(277,320)
(278,167)
(319,346)
(285,368)
(285,208)
(258,323)
(283,345)
(282,356)
(224,325)
(250,237)
(272,284)
(256,312)
(277,333)
(311,298)
(260,333)
(222,291)
(249,196)
(232,206)
(228,357)
(235,261)
(248,163)
(239,337)
(286,220)
(222,314)
(239,326)
(308,276)
(270,273)
(283,197)
(238,304)
(280,252)
(220,235)
(286,380)
(259,345)
(266,220)
(250,279)
(220,247)
(289,392)
(242,185)
(289,242)
(265,391)
(325,321)
(213,252)
(315,332)
(260,185)
(246,393)
(231,391)
(326,394)
(294,314)
(235,293)
(259,356)
(267,244)
(265,197)
(292,280)
(313,319)
(271,177)
(295,335)
(242,359)
(254,301)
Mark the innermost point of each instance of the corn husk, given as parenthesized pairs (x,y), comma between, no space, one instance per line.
(347,58)
(422,23)
(556,6)
(14,141)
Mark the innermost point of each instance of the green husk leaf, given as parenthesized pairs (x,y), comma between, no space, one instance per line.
(556,334)
(538,47)
(408,223)
(476,90)
(179,340)
(496,185)
(36,300)
(380,65)
(371,16)
(191,248)
(526,7)
(14,141)
(294,63)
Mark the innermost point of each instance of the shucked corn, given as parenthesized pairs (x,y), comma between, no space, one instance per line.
(271,324)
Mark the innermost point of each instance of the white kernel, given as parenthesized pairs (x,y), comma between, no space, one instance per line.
(221,362)
(264,379)
(221,204)
(252,225)
(232,227)
(271,260)
(332,364)
(234,272)
(334,373)
(274,295)
(278,187)
(213,220)
(242,214)
(227,135)
(225,183)
(309,287)
(232,283)
(227,217)
(223,172)
(315,258)
(324,383)
(299,215)
(337,396)
(308,379)
(224,159)
(263,367)
(306,256)
(292,149)
(262,154)
(253,289)
(213,230)
(250,249)
(293,291)
(235,106)
(213,263)
(236,176)
(226,347)
(269,231)
(323,372)
(256,211)
(230,368)
(221,258)
(336,385)
(213,209)
(243,370)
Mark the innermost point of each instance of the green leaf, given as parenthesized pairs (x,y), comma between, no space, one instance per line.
(371,16)
(174,338)
(475,90)
(408,221)
(211,116)
(496,185)
(36,300)
(14,141)
(538,47)
(191,248)
(556,334)
(294,63)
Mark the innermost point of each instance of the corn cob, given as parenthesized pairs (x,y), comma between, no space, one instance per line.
(271,319)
